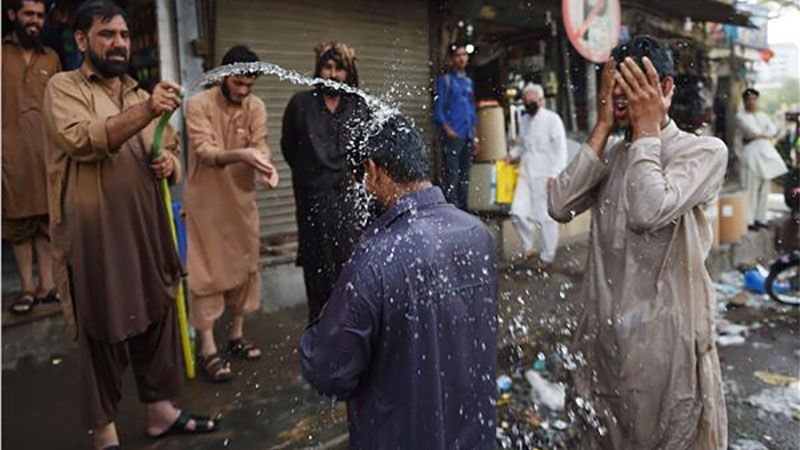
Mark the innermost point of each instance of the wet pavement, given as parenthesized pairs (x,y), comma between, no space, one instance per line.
(268,406)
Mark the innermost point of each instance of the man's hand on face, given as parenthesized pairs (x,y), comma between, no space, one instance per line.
(605,98)
(647,105)
(162,166)
(165,99)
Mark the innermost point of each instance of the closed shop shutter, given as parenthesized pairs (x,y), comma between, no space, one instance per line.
(391,40)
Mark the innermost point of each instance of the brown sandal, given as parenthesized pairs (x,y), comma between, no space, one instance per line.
(213,367)
(241,349)
(23,304)
(50,297)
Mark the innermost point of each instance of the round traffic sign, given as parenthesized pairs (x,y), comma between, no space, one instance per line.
(592,26)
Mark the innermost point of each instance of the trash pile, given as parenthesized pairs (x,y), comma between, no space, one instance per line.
(530,407)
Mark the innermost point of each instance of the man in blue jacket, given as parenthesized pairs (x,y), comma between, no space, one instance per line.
(408,336)
(454,112)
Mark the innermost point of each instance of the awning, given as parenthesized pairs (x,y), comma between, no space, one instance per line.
(699,11)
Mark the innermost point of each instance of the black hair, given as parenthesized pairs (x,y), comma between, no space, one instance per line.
(748,92)
(644,45)
(452,48)
(400,150)
(16,5)
(97,9)
(239,54)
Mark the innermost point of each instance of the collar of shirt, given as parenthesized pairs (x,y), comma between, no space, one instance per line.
(12,39)
(409,202)
(128,83)
(669,132)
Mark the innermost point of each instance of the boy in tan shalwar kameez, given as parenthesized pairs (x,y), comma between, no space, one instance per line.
(227,129)
(651,377)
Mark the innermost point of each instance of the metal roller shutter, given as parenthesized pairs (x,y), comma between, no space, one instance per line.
(391,40)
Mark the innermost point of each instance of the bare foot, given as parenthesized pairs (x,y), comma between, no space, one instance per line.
(105,437)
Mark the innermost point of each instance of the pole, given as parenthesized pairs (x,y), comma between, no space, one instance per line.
(180,297)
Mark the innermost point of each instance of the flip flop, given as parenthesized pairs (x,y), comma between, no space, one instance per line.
(23,304)
(201,425)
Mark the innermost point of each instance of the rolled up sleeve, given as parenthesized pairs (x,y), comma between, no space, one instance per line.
(69,120)
(203,142)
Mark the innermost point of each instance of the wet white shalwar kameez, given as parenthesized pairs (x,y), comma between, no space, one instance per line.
(651,374)
(542,150)
(761,162)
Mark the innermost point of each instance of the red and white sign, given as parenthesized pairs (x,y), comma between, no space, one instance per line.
(592,26)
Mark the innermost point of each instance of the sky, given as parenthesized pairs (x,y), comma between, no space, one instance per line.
(784,28)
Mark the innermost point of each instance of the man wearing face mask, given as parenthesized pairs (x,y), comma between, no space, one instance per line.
(27,66)
(117,267)
(651,376)
(227,129)
(321,129)
(542,149)
(409,336)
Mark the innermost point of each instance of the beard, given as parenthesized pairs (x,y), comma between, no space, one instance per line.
(26,40)
(107,68)
(227,93)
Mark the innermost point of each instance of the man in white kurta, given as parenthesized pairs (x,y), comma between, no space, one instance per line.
(760,161)
(542,153)
(646,374)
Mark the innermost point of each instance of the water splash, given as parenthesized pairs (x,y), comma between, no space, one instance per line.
(381,111)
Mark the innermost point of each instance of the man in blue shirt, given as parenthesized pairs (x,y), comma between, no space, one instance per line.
(454,112)
(408,336)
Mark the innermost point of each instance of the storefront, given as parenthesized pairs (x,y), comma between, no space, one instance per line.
(391,40)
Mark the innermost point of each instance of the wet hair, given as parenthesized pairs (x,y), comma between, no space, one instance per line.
(400,151)
(344,56)
(748,92)
(453,48)
(239,54)
(97,9)
(16,5)
(644,45)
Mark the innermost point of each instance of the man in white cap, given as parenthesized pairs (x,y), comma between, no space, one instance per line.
(542,152)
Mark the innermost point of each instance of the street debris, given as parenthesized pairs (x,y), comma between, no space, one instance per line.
(551,395)
(781,400)
(775,379)
(730,333)
(748,444)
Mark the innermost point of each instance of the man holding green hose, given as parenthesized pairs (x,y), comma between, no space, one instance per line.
(116,263)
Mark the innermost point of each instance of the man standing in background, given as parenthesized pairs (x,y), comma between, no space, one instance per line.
(27,67)
(542,152)
(454,112)
(320,132)
(760,161)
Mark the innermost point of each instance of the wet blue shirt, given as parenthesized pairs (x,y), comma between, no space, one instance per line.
(454,103)
(409,335)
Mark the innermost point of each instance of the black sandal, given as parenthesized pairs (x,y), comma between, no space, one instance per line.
(213,366)
(241,349)
(201,425)
(23,304)
(51,297)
